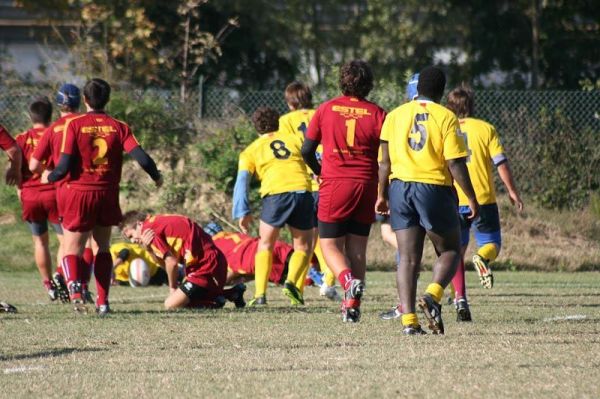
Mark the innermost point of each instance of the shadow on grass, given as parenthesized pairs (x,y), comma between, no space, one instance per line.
(49,353)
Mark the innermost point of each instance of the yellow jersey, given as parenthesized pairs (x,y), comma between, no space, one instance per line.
(422,136)
(296,122)
(276,161)
(484,147)
(135,251)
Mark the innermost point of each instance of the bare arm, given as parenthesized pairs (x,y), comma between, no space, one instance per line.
(460,173)
(13,173)
(507,178)
(381,206)
(172,271)
(35,166)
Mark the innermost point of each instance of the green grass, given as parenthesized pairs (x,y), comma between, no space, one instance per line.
(517,346)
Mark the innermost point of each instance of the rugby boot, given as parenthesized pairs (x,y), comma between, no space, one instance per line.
(433,313)
(61,287)
(76,297)
(259,301)
(7,307)
(413,330)
(463,313)
(103,310)
(351,302)
(391,314)
(486,278)
(290,290)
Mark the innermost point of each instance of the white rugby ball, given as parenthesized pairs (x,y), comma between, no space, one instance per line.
(139,273)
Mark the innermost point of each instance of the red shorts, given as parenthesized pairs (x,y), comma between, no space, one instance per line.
(345,200)
(39,205)
(209,271)
(83,210)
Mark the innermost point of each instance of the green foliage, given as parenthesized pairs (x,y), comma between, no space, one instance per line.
(154,124)
(9,202)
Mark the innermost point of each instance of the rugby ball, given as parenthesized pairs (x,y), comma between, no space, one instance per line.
(139,273)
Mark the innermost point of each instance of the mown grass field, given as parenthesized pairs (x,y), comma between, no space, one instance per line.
(534,335)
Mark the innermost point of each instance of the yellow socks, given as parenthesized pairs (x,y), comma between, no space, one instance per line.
(298,262)
(263,261)
(489,252)
(300,282)
(410,319)
(328,276)
(436,291)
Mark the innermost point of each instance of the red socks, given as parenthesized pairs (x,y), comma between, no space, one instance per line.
(458,281)
(85,267)
(70,266)
(345,278)
(102,272)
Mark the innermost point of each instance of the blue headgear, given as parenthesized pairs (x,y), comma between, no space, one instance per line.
(411,87)
(212,228)
(68,95)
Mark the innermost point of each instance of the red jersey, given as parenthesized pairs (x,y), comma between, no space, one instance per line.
(240,250)
(48,149)
(28,141)
(97,142)
(349,129)
(6,140)
(179,236)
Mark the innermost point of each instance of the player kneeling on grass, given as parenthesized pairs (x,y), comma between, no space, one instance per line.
(38,200)
(286,199)
(13,178)
(421,144)
(348,127)
(123,255)
(174,239)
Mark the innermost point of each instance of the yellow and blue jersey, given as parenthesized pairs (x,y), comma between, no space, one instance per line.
(275,159)
(484,148)
(134,251)
(422,136)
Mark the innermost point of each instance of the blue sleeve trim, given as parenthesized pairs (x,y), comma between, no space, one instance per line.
(498,159)
(241,202)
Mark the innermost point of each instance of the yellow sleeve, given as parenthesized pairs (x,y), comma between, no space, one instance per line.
(246,161)
(285,125)
(495,147)
(454,143)
(388,128)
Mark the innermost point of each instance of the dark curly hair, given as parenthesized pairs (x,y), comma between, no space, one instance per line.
(356,79)
(265,120)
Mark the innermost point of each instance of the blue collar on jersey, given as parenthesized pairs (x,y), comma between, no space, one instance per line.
(423,98)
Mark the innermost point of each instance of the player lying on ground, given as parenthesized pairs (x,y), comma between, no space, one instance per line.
(422,147)
(38,200)
(45,156)
(348,127)
(12,178)
(91,160)
(174,239)
(484,149)
(298,97)
(123,253)
(275,159)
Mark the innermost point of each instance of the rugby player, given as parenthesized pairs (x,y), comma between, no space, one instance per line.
(422,147)
(286,199)
(123,253)
(298,97)
(12,178)
(91,160)
(484,149)
(348,127)
(38,200)
(175,239)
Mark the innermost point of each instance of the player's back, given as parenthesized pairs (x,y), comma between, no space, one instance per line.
(276,160)
(484,148)
(27,142)
(50,144)
(349,129)
(296,122)
(100,141)
(422,136)
(238,248)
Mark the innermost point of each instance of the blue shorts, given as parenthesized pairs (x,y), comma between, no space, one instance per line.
(315,195)
(41,228)
(295,209)
(486,225)
(433,207)
(382,218)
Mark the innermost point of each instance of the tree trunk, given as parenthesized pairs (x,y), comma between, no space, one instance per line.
(184,74)
(535,44)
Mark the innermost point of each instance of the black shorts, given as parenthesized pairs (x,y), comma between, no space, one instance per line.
(201,297)
(433,207)
(340,229)
(315,195)
(295,209)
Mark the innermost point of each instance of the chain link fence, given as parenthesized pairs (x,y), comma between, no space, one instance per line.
(543,132)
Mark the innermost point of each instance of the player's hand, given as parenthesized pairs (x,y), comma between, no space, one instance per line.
(474,206)
(44,176)
(515,199)
(159,182)
(244,223)
(382,207)
(147,237)
(13,176)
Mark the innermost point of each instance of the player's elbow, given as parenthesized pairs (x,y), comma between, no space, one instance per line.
(35,166)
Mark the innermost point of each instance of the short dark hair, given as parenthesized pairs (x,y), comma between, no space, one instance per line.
(265,120)
(40,111)
(356,79)
(461,101)
(432,83)
(131,218)
(298,95)
(97,93)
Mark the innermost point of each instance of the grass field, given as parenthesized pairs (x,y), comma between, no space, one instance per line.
(534,335)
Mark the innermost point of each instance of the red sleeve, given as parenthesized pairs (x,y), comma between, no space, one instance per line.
(381,118)
(314,127)
(6,140)
(128,139)
(160,246)
(43,150)
(68,139)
